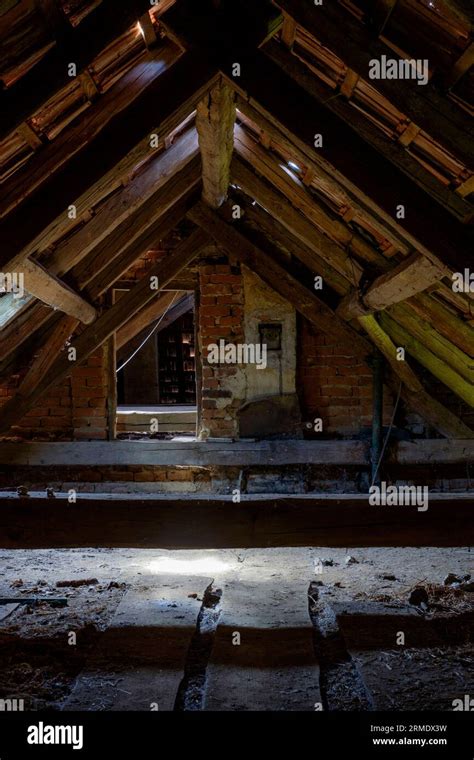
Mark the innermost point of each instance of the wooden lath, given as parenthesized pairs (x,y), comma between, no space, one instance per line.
(354,43)
(82,44)
(347,155)
(161,105)
(435,171)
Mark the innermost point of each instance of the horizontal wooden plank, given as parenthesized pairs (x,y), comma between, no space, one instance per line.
(216,522)
(229,453)
(183,453)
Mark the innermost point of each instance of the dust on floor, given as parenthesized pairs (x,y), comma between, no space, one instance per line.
(124,640)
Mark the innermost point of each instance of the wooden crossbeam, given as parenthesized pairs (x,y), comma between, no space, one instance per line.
(50,290)
(162,96)
(274,274)
(242,453)
(108,323)
(215,118)
(412,276)
(349,156)
(354,43)
(214,522)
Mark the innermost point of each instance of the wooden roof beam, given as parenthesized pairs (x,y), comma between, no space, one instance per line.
(394,151)
(89,247)
(109,322)
(274,274)
(161,98)
(79,45)
(354,43)
(412,391)
(215,119)
(150,313)
(50,290)
(412,276)
(357,165)
(281,210)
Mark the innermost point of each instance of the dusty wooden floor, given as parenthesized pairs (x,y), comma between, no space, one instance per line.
(148,636)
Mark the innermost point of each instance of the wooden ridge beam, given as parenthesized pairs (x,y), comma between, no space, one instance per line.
(354,44)
(349,156)
(165,97)
(411,276)
(274,274)
(108,323)
(215,118)
(80,45)
(277,205)
(214,522)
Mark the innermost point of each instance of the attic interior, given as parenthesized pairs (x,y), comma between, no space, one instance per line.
(236,355)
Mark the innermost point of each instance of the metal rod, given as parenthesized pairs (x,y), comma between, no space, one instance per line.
(377,415)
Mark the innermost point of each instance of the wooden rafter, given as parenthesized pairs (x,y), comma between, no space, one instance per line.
(147,315)
(349,156)
(272,272)
(132,210)
(393,150)
(277,206)
(355,45)
(79,45)
(215,120)
(412,390)
(161,105)
(109,322)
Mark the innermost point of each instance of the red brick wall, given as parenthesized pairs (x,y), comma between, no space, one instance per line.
(220,316)
(74,409)
(334,384)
